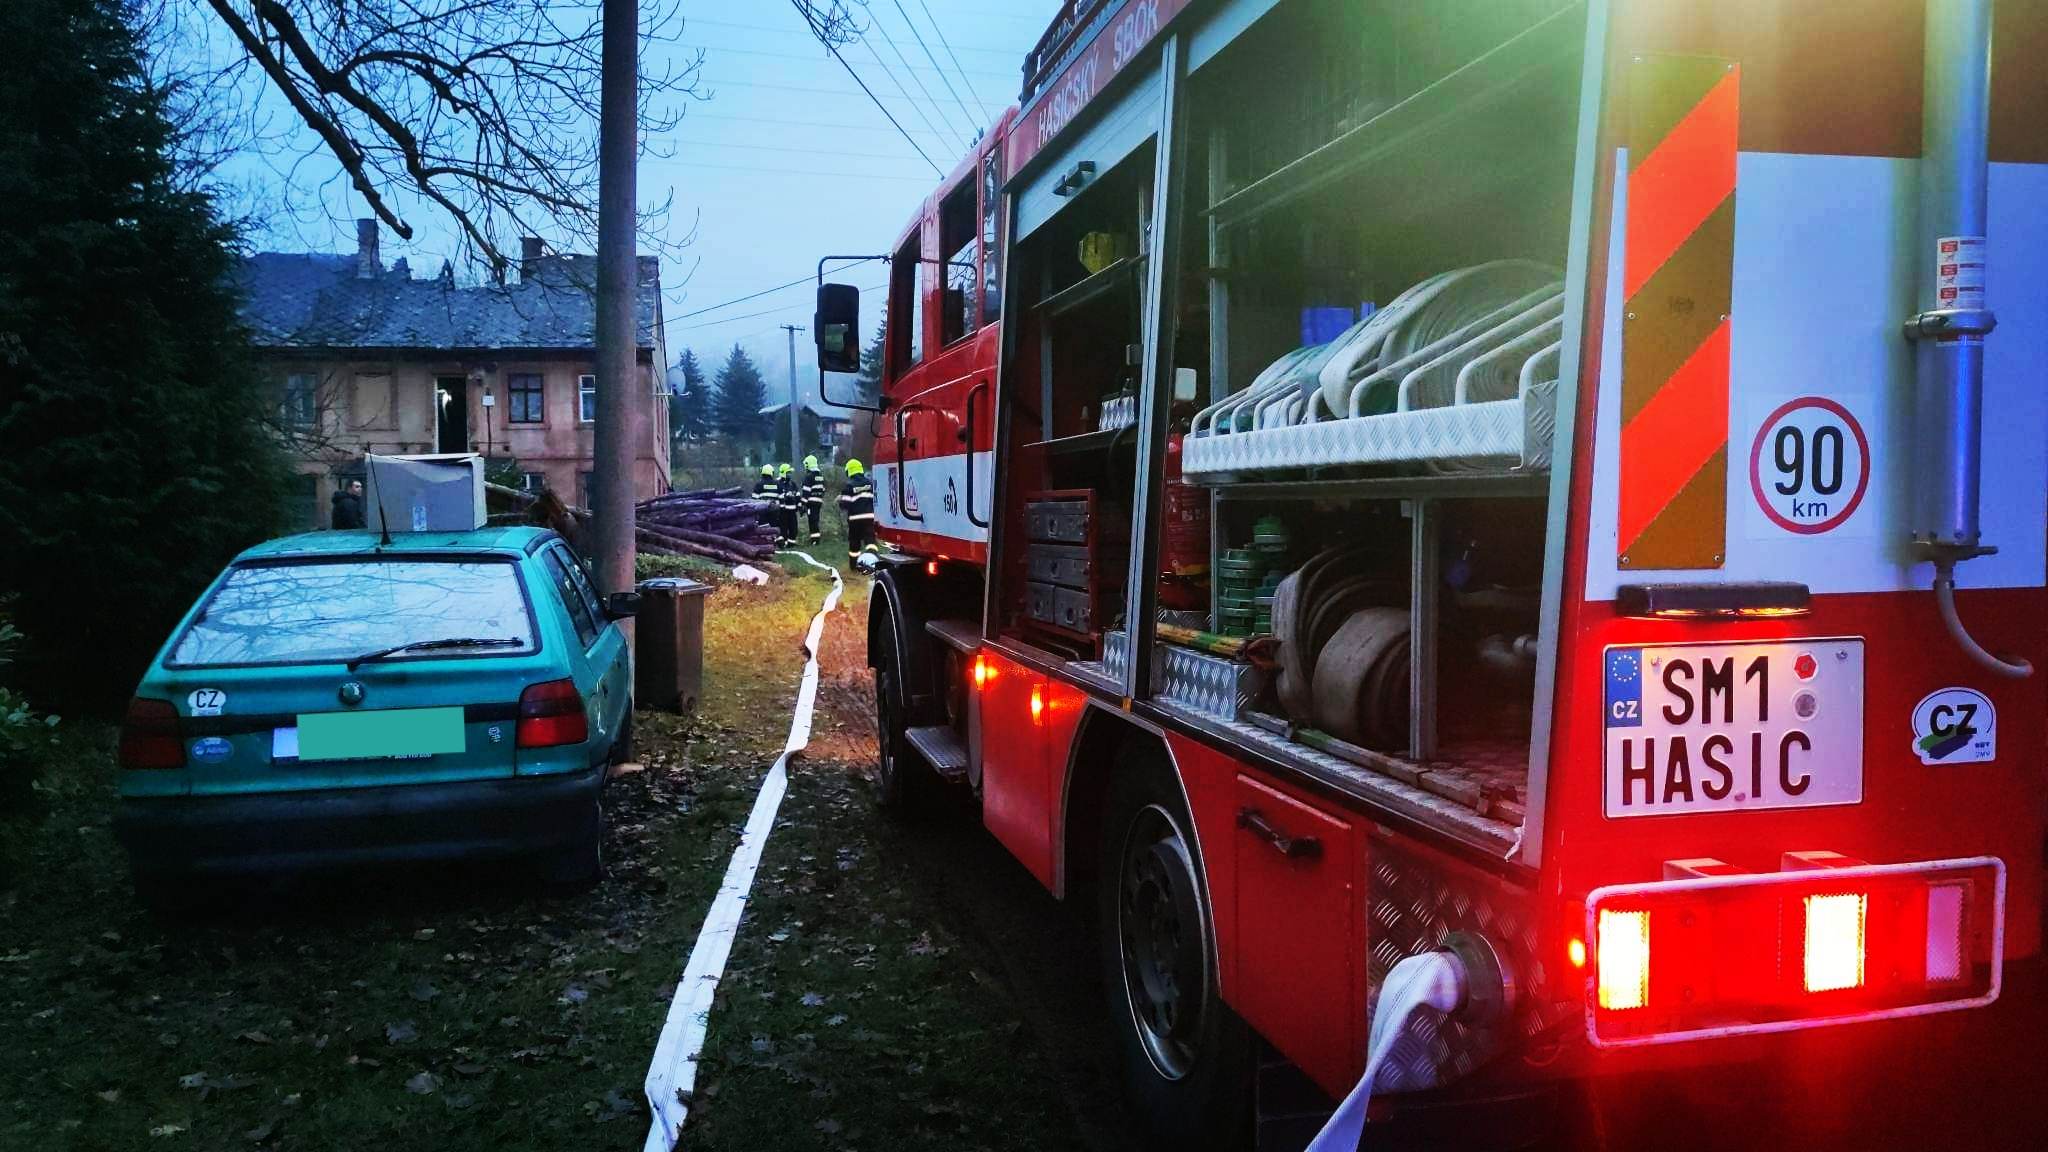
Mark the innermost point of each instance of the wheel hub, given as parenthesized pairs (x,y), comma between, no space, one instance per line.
(1160,932)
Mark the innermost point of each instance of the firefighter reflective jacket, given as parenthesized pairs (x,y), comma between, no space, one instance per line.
(814,488)
(786,493)
(857,500)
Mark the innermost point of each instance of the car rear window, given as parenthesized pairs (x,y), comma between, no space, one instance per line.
(327,611)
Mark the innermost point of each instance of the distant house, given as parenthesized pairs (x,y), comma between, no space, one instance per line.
(369,358)
(824,432)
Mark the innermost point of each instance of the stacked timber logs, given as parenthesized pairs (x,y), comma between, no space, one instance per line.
(718,523)
(721,523)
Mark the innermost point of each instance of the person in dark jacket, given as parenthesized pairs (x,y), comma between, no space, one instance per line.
(857,502)
(813,493)
(347,504)
(764,489)
(788,499)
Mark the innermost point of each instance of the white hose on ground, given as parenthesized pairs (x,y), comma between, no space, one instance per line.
(1432,980)
(1945,596)
(672,1074)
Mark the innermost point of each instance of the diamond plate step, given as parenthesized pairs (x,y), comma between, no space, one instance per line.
(942,748)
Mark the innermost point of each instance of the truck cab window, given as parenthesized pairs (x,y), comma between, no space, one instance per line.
(956,242)
(906,322)
(991,237)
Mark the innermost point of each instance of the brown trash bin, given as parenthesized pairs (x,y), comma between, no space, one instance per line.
(668,645)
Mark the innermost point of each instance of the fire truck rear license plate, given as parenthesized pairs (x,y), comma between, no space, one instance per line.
(1727,727)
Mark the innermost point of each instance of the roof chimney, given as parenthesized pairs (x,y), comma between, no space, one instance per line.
(367,263)
(531,249)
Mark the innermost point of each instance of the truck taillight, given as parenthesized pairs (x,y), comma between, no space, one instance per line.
(1624,959)
(551,714)
(984,671)
(1833,955)
(1727,954)
(149,735)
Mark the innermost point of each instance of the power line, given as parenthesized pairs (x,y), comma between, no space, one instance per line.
(778,148)
(955,58)
(767,312)
(766,291)
(710,49)
(1005,53)
(834,49)
(781,122)
(797,171)
(914,105)
(715,82)
(933,59)
(905,61)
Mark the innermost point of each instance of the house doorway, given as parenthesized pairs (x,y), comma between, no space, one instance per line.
(451,414)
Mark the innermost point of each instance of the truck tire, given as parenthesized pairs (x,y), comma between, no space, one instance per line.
(899,783)
(1186,1058)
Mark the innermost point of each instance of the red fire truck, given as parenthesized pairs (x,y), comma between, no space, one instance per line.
(1488,481)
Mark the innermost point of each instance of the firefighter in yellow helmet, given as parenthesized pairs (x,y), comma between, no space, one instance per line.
(787,501)
(857,502)
(764,490)
(813,493)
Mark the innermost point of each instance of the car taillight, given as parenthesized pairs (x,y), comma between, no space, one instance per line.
(149,735)
(1727,952)
(551,714)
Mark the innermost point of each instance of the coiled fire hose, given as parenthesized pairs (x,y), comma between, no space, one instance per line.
(1463,979)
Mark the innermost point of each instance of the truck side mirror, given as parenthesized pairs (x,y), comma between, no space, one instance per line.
(837,327)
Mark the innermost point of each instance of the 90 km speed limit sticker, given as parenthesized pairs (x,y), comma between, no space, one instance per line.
(1808,467)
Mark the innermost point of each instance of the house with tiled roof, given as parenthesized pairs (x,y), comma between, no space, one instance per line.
(371,358)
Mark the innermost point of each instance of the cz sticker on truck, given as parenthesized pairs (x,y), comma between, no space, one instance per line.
(1727,727)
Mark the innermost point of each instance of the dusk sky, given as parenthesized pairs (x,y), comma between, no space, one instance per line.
(783,161)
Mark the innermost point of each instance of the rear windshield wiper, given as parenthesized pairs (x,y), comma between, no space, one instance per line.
(431,645)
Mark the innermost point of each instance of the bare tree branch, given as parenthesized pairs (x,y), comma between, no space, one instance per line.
(483,112)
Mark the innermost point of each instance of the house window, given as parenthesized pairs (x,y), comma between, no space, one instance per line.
(586,399)
(301,406)
(533,481)
(527,398)
(369,405)
(305,500)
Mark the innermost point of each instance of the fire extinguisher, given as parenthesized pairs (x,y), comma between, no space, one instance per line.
(1183,537)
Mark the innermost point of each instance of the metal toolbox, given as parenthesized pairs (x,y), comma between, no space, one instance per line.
(1058,521)
(1071,609)
(1068,565)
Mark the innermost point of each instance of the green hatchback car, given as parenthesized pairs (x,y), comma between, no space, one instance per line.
(334,699)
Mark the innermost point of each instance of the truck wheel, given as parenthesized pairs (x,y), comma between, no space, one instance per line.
(1186,1057)
(896,766)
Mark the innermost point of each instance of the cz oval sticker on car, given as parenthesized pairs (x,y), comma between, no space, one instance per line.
(207,702)
(1955,726)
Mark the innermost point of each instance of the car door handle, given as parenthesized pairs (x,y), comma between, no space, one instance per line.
(1292,847)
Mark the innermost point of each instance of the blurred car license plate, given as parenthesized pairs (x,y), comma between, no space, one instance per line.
(1726,727)
(387,734)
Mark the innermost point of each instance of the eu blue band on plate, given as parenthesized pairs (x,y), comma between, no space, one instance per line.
(1625,688)
(380,734)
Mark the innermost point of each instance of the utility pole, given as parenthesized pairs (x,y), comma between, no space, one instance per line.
(618,397)
(795,450)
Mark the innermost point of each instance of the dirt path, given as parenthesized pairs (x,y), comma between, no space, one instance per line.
(898,985)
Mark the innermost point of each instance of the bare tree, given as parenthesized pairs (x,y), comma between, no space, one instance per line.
(483,111)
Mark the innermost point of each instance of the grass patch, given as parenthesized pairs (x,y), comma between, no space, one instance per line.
(442,1008)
